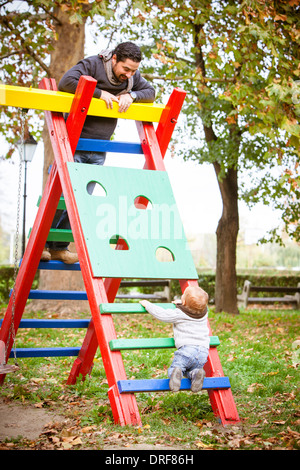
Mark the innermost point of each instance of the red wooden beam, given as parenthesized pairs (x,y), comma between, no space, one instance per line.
(169,119)
(42,223)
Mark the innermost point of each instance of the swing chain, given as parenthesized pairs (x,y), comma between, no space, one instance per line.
(12,333)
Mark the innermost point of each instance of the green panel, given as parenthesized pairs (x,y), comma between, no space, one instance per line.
(128,307)
(114,214)
(150,343)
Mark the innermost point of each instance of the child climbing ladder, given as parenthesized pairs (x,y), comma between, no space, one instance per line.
(134,257)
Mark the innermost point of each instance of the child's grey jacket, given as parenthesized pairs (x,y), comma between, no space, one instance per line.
(186,330)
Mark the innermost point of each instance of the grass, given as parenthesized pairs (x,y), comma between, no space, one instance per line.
(258,352)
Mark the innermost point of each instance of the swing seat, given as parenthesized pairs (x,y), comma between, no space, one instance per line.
(7,368)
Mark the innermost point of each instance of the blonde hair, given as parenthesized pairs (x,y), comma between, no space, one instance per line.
(196,299)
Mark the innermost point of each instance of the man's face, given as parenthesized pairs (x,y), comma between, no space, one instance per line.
(124,70)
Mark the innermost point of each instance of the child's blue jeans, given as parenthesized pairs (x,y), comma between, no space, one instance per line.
(189,358)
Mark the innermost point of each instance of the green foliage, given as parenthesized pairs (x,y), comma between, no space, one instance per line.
(7,282)
(28,36)
(239,63)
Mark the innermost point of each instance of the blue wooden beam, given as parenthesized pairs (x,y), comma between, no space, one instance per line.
(59,266)
(45,352)
(58,294)
(95,145)
(53,323)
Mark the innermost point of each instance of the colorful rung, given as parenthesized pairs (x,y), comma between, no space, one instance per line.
(150,343)
(45,352)
(53,323)
(58,101)
(109,308)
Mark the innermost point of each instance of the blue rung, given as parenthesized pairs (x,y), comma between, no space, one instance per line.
(45,352)
(59,265)
(161,385)
(96,145)
(45,323)
(80,295)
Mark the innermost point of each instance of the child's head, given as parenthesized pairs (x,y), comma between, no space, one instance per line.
(195,298)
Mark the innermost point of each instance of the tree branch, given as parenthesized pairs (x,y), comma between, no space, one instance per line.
(21,51)
(29,50)
(149,76)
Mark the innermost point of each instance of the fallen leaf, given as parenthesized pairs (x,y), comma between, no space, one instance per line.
(77,441)
(88,429)
(66,445)
(201,445)
(38,405)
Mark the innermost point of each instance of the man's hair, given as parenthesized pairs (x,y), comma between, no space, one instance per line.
(196,298)
(128,50)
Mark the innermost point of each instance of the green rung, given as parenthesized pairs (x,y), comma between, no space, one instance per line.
(107,308)
(61,203)
(60,235)
(150,343)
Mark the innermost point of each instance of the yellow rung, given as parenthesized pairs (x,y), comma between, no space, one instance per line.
(58,101)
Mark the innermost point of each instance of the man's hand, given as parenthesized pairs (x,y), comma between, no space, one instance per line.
(108,98)
(124,102)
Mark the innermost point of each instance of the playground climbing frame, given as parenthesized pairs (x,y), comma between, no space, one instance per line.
(101,289)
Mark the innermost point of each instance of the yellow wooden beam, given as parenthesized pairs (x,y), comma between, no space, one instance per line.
(58,101)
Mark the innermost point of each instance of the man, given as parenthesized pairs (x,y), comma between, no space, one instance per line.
(118,80)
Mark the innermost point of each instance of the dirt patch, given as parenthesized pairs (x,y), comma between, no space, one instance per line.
(34,424)
(26,421)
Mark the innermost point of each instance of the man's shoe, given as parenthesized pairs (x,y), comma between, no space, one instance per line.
(197,380)
(46,256)
(175,379)
(64,255)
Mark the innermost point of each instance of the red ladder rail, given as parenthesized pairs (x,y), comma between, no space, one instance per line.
(64,144)
(40,229)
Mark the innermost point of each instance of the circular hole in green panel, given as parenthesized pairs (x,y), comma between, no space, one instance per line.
(164,255)
(142,202)
(116,242)
(95,189)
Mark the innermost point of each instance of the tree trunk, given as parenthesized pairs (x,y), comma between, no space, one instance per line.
(68,50)
(227,232)
(228,226)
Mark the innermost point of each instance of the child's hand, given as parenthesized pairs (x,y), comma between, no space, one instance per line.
(143,303)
